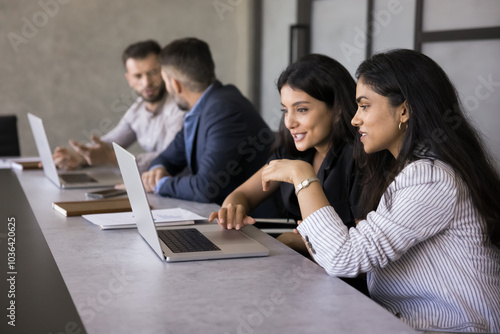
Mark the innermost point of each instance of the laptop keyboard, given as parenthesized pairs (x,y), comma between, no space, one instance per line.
(77,178)
(186,240)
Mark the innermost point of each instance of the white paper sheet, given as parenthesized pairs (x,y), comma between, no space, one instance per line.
(162,217)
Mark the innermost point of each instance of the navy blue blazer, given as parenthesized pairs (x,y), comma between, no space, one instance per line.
(231,143)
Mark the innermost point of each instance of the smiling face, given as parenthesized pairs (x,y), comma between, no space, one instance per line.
(308,120)
(378,121)
(143,75)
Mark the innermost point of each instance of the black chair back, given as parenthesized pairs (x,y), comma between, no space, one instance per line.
(9,139)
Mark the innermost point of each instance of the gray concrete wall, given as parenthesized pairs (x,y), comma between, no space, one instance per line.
(61,59)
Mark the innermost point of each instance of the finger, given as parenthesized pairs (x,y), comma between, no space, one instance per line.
(60,152)
(96,139)
(249,220)
(60,149)
(151,183)
(73,143)
(212,216)
(231,211)
(120,186)
(57,158)
(81,149)
(222,218)
(296,231)
(145,181)
(150,180)
(265,185)
(158,176)
(239,215)
(265,177)
(63,162)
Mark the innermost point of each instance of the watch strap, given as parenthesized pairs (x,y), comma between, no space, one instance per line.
(305,184)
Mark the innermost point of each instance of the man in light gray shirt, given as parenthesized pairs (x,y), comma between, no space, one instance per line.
(153,120)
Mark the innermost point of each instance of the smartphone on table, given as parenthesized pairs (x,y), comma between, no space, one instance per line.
(106,193)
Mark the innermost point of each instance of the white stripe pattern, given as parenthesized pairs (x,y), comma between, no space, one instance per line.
(424,252)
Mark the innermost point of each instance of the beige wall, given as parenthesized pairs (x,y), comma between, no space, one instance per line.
(60,59)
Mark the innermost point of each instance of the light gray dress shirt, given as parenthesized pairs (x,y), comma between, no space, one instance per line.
(152,130)
(424,251)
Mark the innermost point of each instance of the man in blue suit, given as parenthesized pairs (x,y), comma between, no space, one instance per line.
(223,141)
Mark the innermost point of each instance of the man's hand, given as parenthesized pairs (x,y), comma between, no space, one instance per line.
(151,178)
(100,153)
(67,159)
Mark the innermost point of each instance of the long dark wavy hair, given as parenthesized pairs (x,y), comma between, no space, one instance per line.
(326,80)
(437,123)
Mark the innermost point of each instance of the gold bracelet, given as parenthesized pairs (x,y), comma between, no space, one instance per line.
(305,184)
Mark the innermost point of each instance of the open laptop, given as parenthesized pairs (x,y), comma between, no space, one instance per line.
(217,243)
(96,177)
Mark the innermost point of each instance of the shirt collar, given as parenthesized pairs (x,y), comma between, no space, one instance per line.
(423,152)
(332,155)
(158,108)
(195,110)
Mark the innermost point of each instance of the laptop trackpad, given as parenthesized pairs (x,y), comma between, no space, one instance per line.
(228,237)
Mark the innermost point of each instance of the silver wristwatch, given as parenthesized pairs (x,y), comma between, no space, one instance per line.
(305,184)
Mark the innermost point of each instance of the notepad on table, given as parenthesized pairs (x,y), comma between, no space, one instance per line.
(161,217)
(78,208)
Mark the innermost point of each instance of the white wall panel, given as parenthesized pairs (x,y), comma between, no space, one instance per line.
(460,14)
(477,78)
(394,24)
(338,30)
(278,15)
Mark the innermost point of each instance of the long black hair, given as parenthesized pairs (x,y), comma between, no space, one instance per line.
(437,124)
(326,80)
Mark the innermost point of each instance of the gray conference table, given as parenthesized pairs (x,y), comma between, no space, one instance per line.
(117,284)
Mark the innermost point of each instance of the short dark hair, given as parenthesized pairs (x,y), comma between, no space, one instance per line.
(191,58)
(141,50)
(326,80)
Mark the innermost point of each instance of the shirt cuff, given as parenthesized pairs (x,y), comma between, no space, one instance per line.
(324,232)
(155,166)
(160,184)
(319,220)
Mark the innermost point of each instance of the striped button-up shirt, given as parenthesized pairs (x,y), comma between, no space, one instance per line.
(425,251)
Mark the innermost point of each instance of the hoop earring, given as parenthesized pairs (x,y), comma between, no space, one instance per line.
(399,126)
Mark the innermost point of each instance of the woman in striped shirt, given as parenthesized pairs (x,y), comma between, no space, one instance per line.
(430,240)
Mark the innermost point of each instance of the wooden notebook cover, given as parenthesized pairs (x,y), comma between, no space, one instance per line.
(78,208)
(25,164)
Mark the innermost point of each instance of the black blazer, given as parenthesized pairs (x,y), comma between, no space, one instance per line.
(339,179)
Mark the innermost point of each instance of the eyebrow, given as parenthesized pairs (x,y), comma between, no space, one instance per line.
(360,98)
(297,103)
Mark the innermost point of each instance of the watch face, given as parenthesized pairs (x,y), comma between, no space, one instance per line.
(305,183)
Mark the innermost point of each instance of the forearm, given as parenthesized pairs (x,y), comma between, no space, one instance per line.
(122,134)
(311,198)
(419,209)
(250,194)
(332,246)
